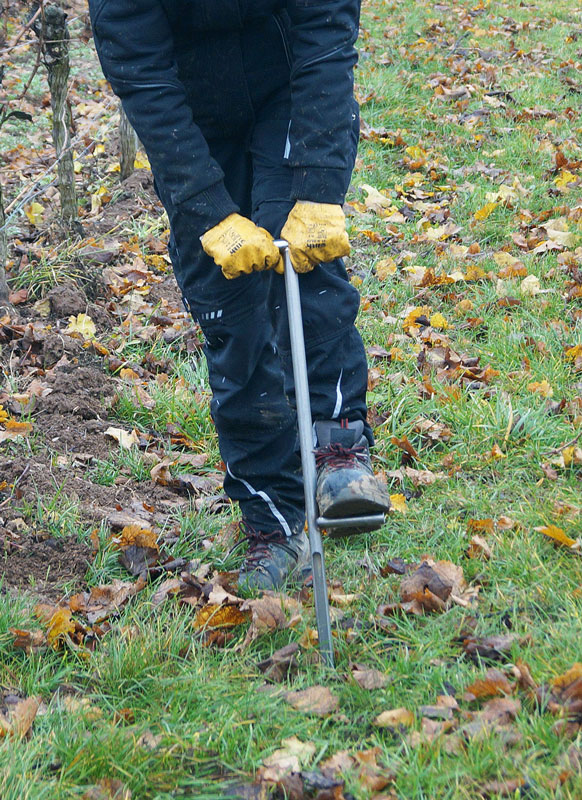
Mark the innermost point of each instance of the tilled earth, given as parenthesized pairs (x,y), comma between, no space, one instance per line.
(64,388)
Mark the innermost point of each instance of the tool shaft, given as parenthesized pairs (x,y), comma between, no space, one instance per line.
(307,457)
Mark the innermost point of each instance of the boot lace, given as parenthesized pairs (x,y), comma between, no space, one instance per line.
(259,545)
(336,455)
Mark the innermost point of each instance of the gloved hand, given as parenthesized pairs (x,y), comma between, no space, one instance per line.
(240,247)
(316,232)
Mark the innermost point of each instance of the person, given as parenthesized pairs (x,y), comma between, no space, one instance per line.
(246,111)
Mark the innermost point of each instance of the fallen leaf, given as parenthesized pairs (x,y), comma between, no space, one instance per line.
(59,627)
(293,755)
(485,211)
(126,439)
(385,268)
(370,774)
(398,503)
(14,430)
(369,678)
(395,718)
(479,548)
(492,684)
(267,615)
(104,600)
(29,641)
(559,537)
(494,648)
(21,717)
(108,789)
(317,700)
(530,286)
(218,616)
(277,667)
(83,325)
(34,213)
(504,788)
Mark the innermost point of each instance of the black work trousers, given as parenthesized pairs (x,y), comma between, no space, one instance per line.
(245,321)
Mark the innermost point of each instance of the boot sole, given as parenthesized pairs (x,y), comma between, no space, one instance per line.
(353,507)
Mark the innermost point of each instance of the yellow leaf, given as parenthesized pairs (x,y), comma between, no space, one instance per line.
(574,352)
(59,626)
(14,430)
(485,211)
(541,387)
(438,321)
(34,213)
(398,503)
(3,415)
(557,535)
(141,161)
(99,198)
(215,616)
(503,259)
(385,268)
(416,152)
(530,286)
(564,178)
(82,324)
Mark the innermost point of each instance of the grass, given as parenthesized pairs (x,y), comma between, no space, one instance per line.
(212,724)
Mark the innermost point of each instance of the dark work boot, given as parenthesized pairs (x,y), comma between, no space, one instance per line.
(346,486)
(272,558)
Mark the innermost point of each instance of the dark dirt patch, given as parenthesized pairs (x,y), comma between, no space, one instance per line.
(67,299)
(57,345)
(167,290)
(42,567)
(84,392)
(138,196)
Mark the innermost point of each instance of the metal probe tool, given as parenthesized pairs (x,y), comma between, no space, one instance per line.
(314,523)
(307,457)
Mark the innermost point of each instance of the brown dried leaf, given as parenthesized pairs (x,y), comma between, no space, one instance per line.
(492,684)
(277,667)
(29,641)
(102,601)
(432,430)
(339,763)
(171,586)
(371,775)
(404,444)
(495,648)
(395,718)
(475,525)
(22,716)
(505,788)
(317,700)
(369,678)
(479,548)
(219,616)
(267,615)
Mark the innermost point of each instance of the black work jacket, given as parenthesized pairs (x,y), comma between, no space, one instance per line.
(142,44)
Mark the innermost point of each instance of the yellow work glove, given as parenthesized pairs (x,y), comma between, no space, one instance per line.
(240,247)
(316,232)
